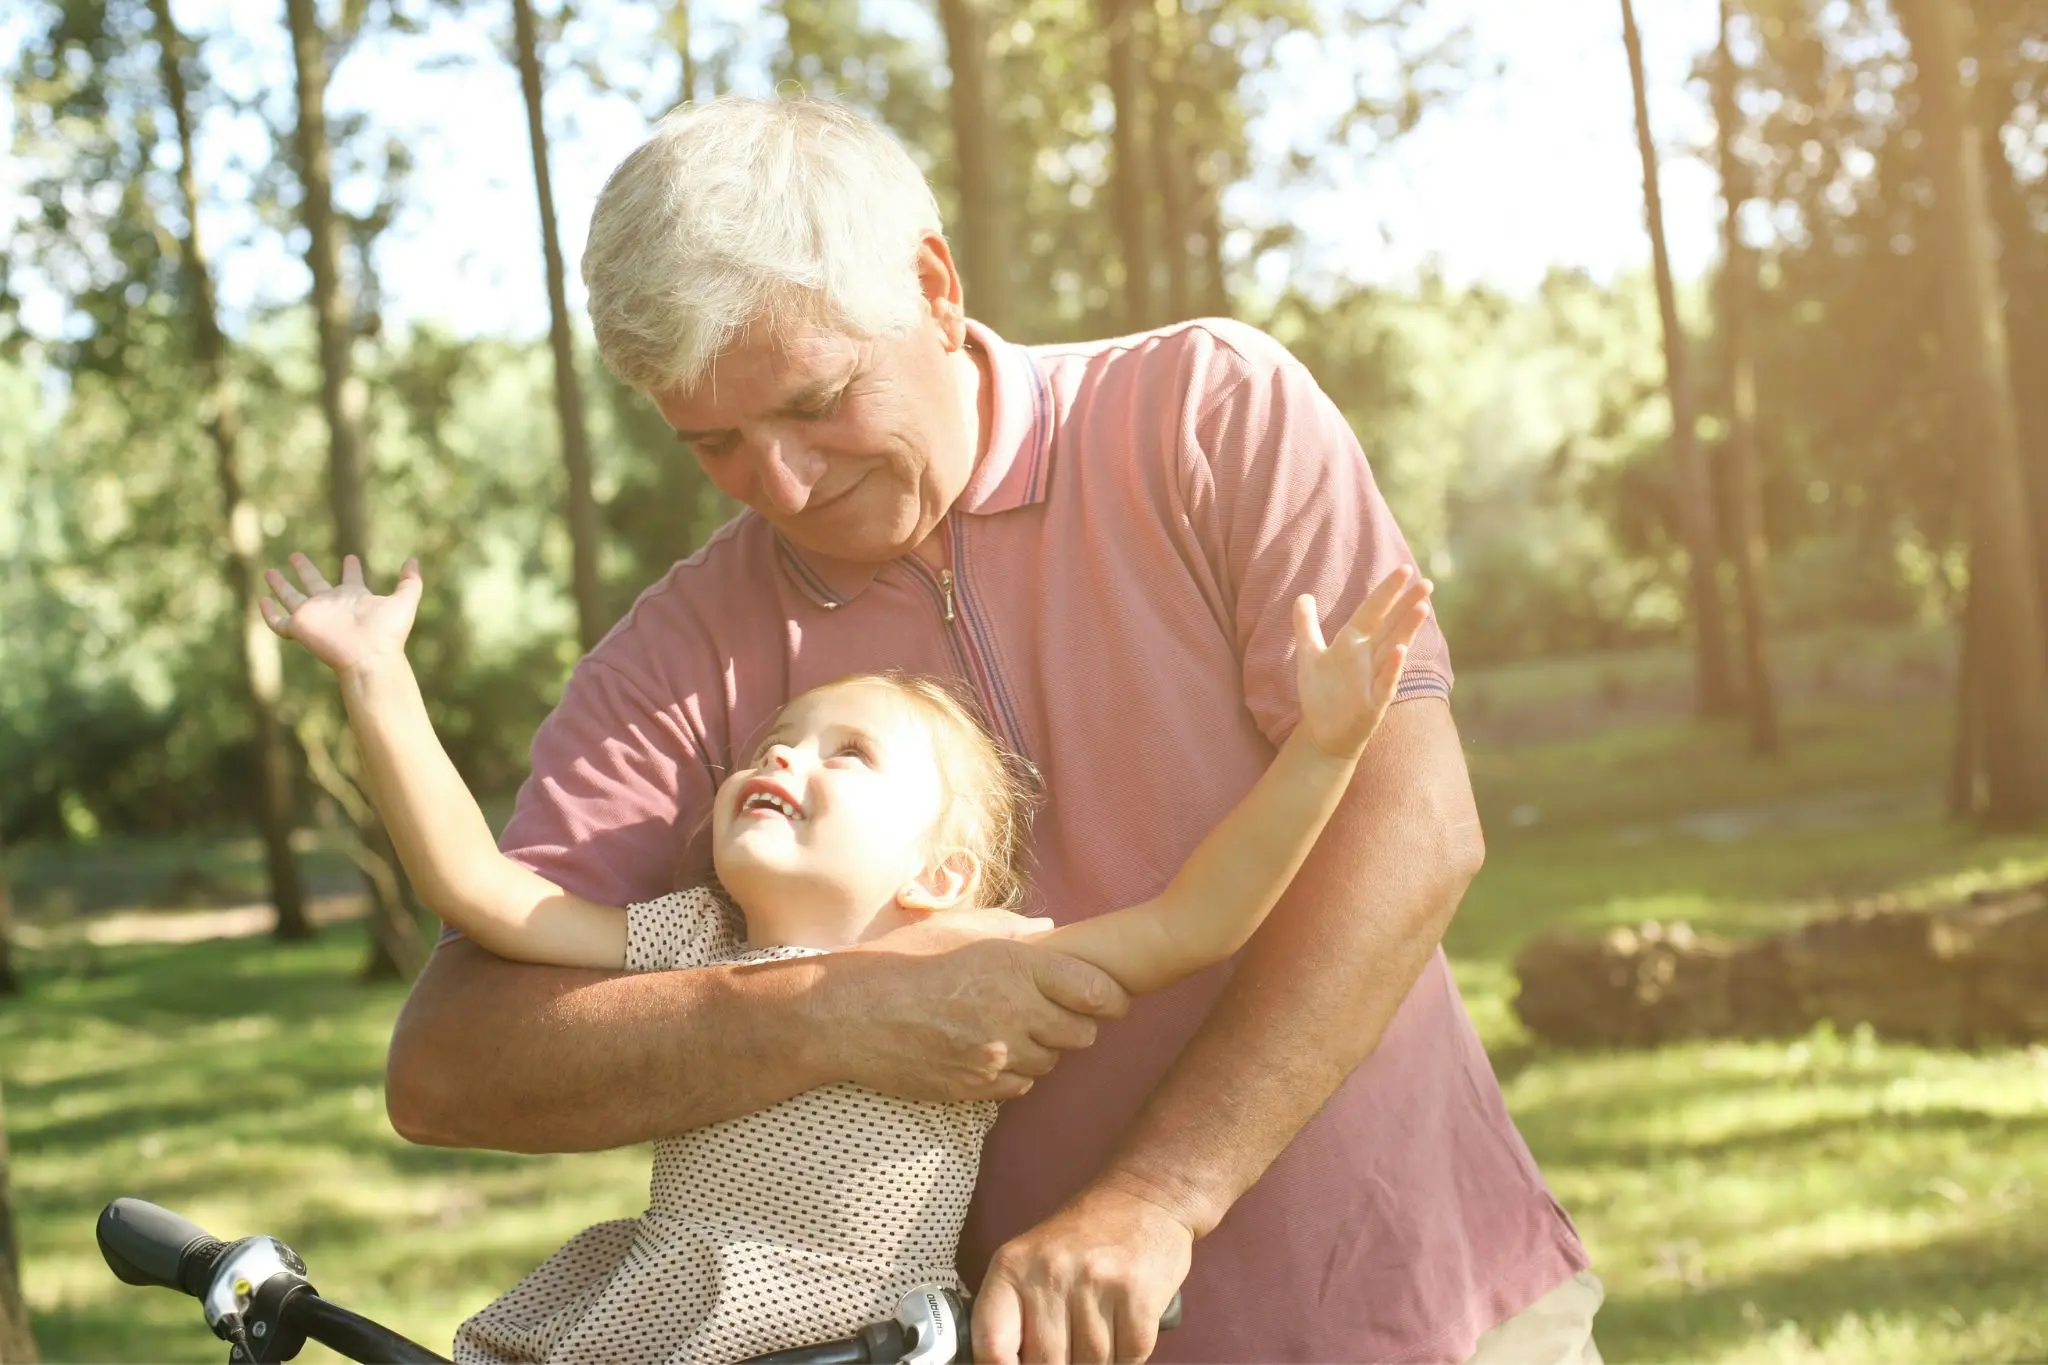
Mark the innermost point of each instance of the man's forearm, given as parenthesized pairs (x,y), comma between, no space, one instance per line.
(1316,988)
(490,1053)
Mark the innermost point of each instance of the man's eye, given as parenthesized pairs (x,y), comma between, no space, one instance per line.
(818,412)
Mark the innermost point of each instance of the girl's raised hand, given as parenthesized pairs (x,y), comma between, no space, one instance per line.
(1347,684)
(345,625)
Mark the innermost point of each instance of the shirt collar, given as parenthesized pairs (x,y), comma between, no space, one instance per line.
(1014,472)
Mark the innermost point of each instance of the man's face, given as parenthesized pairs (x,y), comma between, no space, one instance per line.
(852,447)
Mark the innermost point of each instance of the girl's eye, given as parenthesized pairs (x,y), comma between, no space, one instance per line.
(859,751)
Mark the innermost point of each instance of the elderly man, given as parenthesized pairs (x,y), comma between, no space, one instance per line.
(1103,541)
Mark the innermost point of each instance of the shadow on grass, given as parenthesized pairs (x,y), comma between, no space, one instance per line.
(1937,1285)
(1976,1124)
(168,1326)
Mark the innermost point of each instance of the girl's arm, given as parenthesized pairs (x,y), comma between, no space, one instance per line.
(1240,869)
(435,823)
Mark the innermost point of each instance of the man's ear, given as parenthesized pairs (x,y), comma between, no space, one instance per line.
(944,885)
(939,280)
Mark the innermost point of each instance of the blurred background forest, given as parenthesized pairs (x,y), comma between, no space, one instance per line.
(1708,519)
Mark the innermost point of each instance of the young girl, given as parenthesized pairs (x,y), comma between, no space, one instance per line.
(869,804)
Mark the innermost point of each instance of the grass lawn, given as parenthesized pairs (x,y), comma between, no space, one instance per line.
(1830,1200)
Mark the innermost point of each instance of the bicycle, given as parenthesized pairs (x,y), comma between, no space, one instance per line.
(255,1295)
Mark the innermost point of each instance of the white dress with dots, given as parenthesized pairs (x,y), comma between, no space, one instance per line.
(798,1224)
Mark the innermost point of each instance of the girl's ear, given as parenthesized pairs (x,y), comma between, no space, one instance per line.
(945,885)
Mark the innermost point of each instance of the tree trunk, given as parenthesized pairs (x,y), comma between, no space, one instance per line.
(262,671)
(1215,281)
(10,984)
(1738,287)
(1168,158)
(590,613)
(2020,260)
(396,948)
(342,396)
(986,256)
(17,1342)
(1716,695)
(1126,163)
(1966,759)
(679,36)
(2014,669)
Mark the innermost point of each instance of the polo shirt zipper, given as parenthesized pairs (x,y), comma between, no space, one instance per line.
(939,583)
(963,635)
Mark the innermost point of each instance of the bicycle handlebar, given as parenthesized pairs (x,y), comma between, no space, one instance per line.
(352,1334)
(257,1297)
(925,1314)
(254,1290)
(147,1245)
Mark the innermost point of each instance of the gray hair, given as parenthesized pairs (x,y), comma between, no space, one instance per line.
(743,210)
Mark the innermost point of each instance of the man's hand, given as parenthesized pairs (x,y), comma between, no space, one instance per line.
(1087,1285)
(957,1008)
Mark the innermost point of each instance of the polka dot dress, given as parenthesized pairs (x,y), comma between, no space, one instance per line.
(798,1224)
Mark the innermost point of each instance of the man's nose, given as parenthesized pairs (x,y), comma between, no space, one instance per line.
(785,472)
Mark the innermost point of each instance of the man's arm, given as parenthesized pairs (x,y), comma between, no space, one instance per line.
(525,1058)
(1313,992)
(530,1058)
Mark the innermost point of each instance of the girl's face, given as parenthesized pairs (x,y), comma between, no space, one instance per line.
(829,831)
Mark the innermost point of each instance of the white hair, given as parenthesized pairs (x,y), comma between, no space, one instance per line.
(743,210)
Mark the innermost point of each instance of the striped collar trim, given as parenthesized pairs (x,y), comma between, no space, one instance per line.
(1015,472)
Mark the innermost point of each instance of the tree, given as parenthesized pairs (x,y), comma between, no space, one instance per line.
(1168,155)
(17,1342)
(135,586)
(396,948)
(1715,695)
(1738,357)
(262,670)
(591,622)
(832,49)
(984,214)
(679,35)
(10,984)
(1126,168)
(2012,669)
(2010,85)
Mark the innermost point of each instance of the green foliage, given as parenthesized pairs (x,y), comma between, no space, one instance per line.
(1522,440)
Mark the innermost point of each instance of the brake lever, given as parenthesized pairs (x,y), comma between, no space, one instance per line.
(936,1322)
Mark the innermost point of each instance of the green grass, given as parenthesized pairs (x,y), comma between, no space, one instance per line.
(240,1083)
(1830,1200)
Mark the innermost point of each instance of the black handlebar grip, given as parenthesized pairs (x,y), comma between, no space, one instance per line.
(147,1245)
(1170,1319)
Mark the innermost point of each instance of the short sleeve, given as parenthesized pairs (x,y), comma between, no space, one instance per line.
(1293,507)
(618,785)
(693,928)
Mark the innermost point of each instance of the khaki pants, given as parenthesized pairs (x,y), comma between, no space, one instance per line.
(1557,1329)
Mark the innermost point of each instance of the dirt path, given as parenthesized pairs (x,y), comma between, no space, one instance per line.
(124,927)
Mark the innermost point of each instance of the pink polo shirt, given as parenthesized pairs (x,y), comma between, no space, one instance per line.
(1124,562)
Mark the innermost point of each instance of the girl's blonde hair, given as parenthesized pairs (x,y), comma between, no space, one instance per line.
(990,792)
